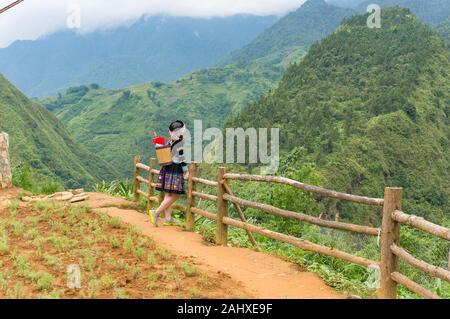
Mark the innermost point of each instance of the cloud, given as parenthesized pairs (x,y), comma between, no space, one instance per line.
(34,18)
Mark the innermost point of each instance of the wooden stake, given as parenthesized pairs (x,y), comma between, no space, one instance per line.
(190,217)
(151,189)
(137,184)
(390,234)
(241,213)
(222,210)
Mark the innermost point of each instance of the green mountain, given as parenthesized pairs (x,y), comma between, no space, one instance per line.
(115,123)
(369,108)
(432,12)
(444,32)
(314,20)
(41,141)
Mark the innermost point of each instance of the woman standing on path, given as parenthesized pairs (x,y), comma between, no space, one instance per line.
(171,177)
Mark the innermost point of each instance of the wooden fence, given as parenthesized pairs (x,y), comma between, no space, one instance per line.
(393,218)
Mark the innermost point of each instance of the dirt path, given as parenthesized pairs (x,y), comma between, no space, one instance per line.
(263,275)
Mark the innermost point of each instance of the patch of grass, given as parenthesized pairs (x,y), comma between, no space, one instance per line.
(114,242)
(151,260)
(106,282)
(53,261)
(13,207)
(139,253)
(89,260)
(44,281)
(4,246)
(44,206)
(55,294)
(16,227)
(193,292)
(115,223)
(164,253)
(119,293)
(172,275)
(22,264)
(17,292)
(128,244)
(189,269)
(31,234)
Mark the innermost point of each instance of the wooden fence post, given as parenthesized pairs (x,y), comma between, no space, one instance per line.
(136,183)
(151,178)
(222,210)
(390,234)
(190,217)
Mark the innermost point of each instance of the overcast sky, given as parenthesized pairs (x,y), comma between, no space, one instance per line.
(34,18)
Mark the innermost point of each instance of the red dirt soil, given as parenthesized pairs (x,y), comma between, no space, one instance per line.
(262,275)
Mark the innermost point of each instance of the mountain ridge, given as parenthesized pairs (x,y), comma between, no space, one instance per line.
(40,140)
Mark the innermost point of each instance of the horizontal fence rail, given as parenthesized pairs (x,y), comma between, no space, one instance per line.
(304,217)
(309,188)
(393,218)
(434,271)
(413,286)
(421,224)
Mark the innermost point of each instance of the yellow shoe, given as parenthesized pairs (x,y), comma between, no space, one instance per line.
(171,222)
(153,217)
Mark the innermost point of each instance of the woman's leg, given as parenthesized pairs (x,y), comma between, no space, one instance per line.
(168,211)
(164,204)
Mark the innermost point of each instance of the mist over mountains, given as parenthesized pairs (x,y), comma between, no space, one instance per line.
(156,48)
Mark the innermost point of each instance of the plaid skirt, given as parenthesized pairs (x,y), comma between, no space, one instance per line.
(171,179)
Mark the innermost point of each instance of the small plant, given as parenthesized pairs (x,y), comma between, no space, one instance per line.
(17,293)
(4,282)
(93,288)
(52,261)
(16,227)
(4,246)
(13,207)
(22,264)
(193,292)
(188,269)
(152,279)
(119,293)
(106,282)
(164,253)
(128,244)
(139,253)
(115,223)
(172,274)
(44,281)
(31,234)
(44,206)
(56,294)
(89,261)
(114,242)
(151,260)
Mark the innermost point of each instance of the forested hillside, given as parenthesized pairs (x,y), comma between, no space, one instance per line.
(432,12)
(370,108)
(40,141)
(115,123)
(155,48)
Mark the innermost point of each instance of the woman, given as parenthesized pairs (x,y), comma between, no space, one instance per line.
(171,177)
